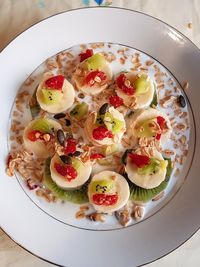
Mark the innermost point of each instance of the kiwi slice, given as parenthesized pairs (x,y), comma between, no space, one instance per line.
(42,125)
(77,196)
(51,97)
(95,62)
(154,102)
(102,186)
(142,85)
(34,105)
(79,111)
(113,124)
(144,195)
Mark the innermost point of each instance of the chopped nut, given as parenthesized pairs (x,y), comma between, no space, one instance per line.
(189,25)
(123,216)
(45,194)
(138,212)
(168,152)
(97,79)
(46,137)
(168,100)
(80,214)
(159,196)
(29,81)
(113,177)
(149,62)
(95,217)
(182,139)
(122,60)
(180,127)
(84,208)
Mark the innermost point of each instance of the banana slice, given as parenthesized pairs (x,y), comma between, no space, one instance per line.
(63,99)
(108,191)
(147,179)
(39,147)
(90,125)
(137,101)
(96,88)
(144,115)
(83,170)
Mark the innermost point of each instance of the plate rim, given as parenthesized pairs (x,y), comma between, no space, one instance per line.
(101,7)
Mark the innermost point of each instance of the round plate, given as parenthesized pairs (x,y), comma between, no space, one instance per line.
(62,244)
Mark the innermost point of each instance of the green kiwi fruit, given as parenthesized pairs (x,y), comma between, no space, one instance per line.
(113,124)
(51,97)
(34,105)
(79,111)
(42,125)
(77,196)
(144,195)
(154,102)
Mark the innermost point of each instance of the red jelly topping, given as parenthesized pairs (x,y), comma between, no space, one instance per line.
(103,199)
(121,82)
(67,171)
(139,160)
(96,74)
(101,132)
(55,82)
(84,55)
(116,101)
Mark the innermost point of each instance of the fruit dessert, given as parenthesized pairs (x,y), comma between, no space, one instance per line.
(135,89)
(69,172)
(55,94)
(93,73)
(108,191)
(39,134)
(105,127)
(105,143)
(146,171)
(149,125)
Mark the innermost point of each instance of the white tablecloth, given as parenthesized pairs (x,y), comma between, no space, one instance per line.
(17,15)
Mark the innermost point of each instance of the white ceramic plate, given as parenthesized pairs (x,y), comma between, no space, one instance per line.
(59,242)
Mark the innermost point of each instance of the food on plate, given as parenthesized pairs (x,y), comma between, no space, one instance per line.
(142,195)
(38,134)
(135,89)
(151,125)
(69,172)
(108,191)
(55,94)
(78,195)
(110,143)
(105,127)
(80,111)
(93,73)
(144,170)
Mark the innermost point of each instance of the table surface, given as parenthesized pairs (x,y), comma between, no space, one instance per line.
(181,14)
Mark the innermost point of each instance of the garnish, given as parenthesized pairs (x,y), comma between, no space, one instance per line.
(95,76)
(101,132)
(84,55)
(124,84)
(55,82)
(67,171)
(104,199)
(116,101)
(139,160)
